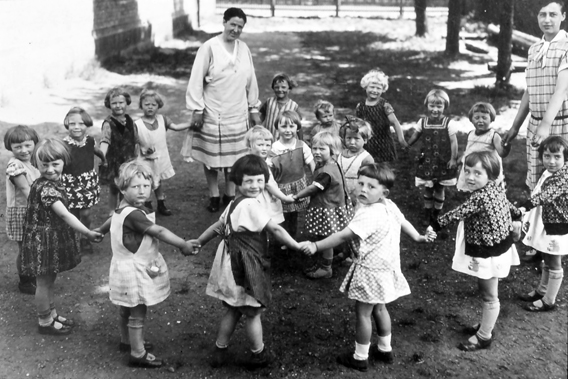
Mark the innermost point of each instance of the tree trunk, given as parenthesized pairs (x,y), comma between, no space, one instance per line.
(337,6)
(503,71)
(421,22)
(454,25)
(272,7)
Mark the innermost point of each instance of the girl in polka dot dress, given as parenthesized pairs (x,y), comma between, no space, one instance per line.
(375,277)
(330,208)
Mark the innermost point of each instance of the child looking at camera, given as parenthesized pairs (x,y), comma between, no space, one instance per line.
(325,114)
(282,84)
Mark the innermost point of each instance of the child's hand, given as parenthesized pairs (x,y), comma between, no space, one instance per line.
(289,199)
(95,236)
(452,163)
(308,248)
(197,122)
(404,144)
(523,210)
(190,247)
(430,235)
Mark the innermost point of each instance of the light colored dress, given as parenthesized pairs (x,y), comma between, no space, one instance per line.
(483,142)
(545,61)
(129,281)
(350,167)
(154,148)
(16,200)
(375,277)
(271,109)
(224,98)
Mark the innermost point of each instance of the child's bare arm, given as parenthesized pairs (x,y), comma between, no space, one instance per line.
(409,230)
(180,126)
(282,235)
(398,129)
(368,160)
(99,153)
(21,183)
(310,190)
(104,228)
(165,235)
(503,151)
(61,211)
(273,189)
(413,138)
(454,149)
(330,242)
(210,233)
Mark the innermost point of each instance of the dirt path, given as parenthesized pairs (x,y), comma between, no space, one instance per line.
(310,322)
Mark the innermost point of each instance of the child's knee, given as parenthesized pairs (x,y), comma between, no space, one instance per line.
(251,312)
(135,322)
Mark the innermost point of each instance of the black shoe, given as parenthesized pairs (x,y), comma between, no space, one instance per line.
(149,206)
(471,330)
(145,362)
(52,330)
(480,344)
(545,307)
(532,258)
(347,360)
(220,357)
(162,209)
(382,356)
(531,298)
(260,360)
(214,204)
(227,199)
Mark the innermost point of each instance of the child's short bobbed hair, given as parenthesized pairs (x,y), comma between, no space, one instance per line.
(488,160)
(482,108)
(330,140)
(153,94)
(87,120)
(115,92)
(323,105)
(234,12)
(375,76)
(131,169)
(439,95)
(282,77)
(380,171)
(554,144)
(19,134)
(356,125)
(49,150)
(255,133)
(291,116)
(250,165)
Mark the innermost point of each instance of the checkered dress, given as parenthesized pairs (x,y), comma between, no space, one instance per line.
(16,201)
(129,281)
(541,83)
(375,276)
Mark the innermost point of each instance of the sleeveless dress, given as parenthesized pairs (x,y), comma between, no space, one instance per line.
(79,177)
(350,166)
(129,282)
(154,148)
(381,144)
(481,142)
(122,147)
(49,245)
(16,201)
(240,275)
(431,163)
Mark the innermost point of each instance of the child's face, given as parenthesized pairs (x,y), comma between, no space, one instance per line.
(252,185)
(326,117)
(287,130)
(354,141)
(261,147)
(553,161)
(23,150)
(476,176)
(150,107)
(138,191)
(370,191)
(435,108)
(281,90)
(51,170)
(321,153)
(77,127)
(481,121)
(374,90)
(118,106)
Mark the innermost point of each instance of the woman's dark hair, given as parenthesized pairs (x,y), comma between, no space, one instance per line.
(554,144)
(115,92)
(488,160)
(234,12)
(250,165)
(380,171)
(544,3)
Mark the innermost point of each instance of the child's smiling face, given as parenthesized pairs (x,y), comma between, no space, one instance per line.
(374,90)
(287,130)
(118,106)
(370,191)
(76,126)
(436,108)
(281,90)
(252,185)
(51,170)
(481,121)
(23,150)
(138,191)
(553,161)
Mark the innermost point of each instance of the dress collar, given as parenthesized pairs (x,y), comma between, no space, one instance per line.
(71,141)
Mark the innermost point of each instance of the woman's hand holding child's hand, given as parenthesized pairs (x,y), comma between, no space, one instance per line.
(308,248)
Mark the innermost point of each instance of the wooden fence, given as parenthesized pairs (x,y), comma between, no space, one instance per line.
(390,3)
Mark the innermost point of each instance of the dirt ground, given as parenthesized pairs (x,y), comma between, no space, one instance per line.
(309,322)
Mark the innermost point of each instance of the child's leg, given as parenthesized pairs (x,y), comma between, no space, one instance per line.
(439,198)
(229,185)
(491,307)
(161,197)
(428,204)
(112,197)
(555,275)
(27,283)
(123,315)
(323,269)
(226,328)
(44,298)
(253,328)
(136,330)
(363,330)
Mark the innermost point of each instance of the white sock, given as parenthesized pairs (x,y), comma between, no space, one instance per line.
(361,351)
(384,344)
(541,289)
(488,319)
(554,283)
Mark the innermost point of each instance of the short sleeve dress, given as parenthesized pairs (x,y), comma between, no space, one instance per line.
(375,277)
(381,144)
(79,177)
(49,246)
(16,200)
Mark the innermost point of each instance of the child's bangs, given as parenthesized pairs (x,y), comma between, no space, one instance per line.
(20,135)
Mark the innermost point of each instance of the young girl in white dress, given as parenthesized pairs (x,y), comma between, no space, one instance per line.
(375,277)
(547,222)
(152,128)
(484,240)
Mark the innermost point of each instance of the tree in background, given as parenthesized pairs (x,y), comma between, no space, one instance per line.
(454,25)
(421,22)
(504,61)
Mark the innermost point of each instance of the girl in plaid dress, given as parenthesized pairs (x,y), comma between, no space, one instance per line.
(375,277)
(282,84)
(138,276)
(20,174)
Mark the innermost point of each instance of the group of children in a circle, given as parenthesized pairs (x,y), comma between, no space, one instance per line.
(347,206)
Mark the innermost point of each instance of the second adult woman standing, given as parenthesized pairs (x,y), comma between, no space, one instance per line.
(221,90)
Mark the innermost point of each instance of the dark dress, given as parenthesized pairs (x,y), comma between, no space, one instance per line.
(381,144)
(49,245)
(79,177)
(122,147)
(431,163)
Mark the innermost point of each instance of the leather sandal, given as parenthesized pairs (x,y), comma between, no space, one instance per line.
(471,330)
(214,203)
(545,307)
(144,361)
(124,347)
(64,321)
(480,344)
(531,298)
(52,330)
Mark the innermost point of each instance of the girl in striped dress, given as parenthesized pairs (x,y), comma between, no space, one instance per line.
(282,84)
(138,276)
